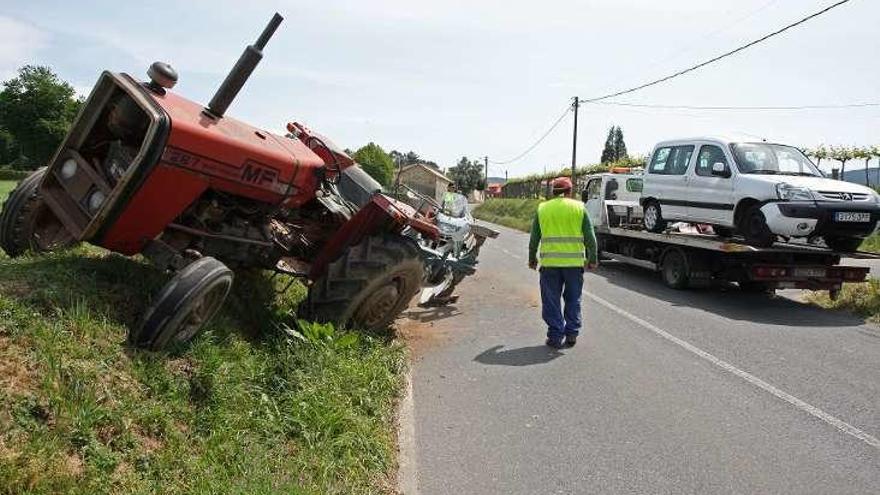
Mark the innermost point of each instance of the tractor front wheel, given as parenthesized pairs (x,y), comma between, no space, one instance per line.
(27,224)
(369,285)
(184,305)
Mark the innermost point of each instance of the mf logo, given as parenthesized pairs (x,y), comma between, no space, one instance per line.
(258,175)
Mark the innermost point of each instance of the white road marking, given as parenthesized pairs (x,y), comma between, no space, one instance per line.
(748,377)
(408,473)
(511,254)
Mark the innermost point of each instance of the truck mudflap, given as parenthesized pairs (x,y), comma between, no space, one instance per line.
(808,277)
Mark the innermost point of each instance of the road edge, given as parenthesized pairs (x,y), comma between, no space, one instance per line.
(407,472)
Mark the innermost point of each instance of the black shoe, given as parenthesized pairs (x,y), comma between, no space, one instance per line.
(556,344)
(571,340)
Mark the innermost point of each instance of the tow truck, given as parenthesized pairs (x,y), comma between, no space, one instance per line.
(694,256)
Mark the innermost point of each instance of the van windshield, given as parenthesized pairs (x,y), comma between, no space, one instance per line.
(777,159)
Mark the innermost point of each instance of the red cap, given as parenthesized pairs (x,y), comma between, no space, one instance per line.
(562,184)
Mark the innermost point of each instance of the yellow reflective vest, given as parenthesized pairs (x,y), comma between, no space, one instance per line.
(562,233)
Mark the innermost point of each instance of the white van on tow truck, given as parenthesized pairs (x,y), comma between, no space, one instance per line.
(687,258)
(760,190)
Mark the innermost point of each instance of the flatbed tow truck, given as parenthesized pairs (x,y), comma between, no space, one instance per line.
(694,260)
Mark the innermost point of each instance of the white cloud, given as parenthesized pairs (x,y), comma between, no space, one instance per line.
(19,41)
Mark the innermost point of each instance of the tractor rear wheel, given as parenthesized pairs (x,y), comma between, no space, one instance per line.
(369,285)
(184,305)
(26,223)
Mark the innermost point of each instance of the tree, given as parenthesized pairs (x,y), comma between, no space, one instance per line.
(863,154)
(843,155)
(36,110)
(819,154)
(467,175)
(615,148)
(7,148)
(619,145)
(376,162)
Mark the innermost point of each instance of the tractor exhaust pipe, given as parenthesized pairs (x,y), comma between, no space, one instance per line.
(241,71)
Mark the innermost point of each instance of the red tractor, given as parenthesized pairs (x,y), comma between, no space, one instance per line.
(146,171)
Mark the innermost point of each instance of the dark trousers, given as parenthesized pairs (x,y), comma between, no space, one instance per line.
(567,284)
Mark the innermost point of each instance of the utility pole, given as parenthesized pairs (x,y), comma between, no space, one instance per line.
(574,143)
(486,175)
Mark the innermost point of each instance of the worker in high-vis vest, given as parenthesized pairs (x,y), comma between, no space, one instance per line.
(449,199)
(567,242)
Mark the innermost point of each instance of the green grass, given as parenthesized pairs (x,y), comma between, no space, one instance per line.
(862,299)
(871,244)
(246,408)
(513,213)
(5,187)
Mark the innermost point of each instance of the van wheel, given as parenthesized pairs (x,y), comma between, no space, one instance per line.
(753,226)
(653,217)
(843,244)
(675,270)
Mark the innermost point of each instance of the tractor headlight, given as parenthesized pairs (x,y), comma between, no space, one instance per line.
(788,192)
(68,169)
(96,199)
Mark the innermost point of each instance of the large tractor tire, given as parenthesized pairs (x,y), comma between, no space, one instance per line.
(27,224)
(369,285)
(184,305)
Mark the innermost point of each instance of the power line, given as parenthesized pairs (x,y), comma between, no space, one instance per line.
(719,57)
(682,49)
(735,108)
(536,143)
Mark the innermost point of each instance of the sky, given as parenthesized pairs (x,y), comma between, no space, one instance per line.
(478,78)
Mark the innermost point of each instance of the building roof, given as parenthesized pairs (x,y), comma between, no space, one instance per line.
(429,169)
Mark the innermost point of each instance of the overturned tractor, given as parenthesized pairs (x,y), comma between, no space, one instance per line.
(200,194)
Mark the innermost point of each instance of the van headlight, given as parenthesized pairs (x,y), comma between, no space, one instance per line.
(788,192)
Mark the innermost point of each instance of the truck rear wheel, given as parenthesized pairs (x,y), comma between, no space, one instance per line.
(369,285)
(184,305)
(674,269)
(27,224)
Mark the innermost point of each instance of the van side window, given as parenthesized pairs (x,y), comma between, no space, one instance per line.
(658,164)
(672,161)
(709,155)
(681,157)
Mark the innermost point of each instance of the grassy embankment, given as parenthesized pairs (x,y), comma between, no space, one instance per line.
(863,299)
(513,213)
(247,408)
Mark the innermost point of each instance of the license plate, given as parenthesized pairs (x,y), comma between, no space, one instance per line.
(809,272)
(852,216)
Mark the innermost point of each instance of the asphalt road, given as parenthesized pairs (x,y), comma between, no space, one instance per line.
(666,392)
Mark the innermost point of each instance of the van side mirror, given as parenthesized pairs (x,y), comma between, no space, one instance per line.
(720,169)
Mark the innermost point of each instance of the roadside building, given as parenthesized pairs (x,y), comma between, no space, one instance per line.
(493,191)
(425,180)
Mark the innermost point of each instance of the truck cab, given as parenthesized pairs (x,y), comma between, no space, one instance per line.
(613,198)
